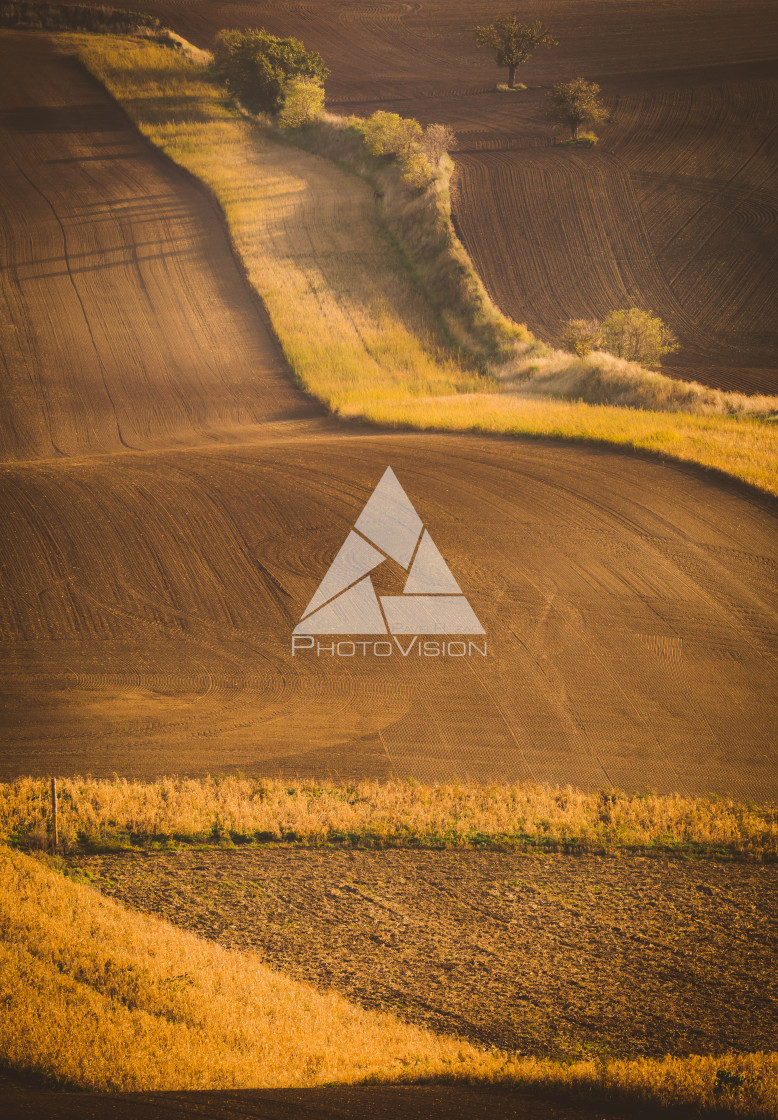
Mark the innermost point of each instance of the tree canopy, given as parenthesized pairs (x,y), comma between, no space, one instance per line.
(255,66)
(575,103)
(638,336)
(512,42)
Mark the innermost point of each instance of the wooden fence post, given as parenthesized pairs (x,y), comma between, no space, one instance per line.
(54,830)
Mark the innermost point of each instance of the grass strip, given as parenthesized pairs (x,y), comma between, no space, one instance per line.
(358,333)
(108,815)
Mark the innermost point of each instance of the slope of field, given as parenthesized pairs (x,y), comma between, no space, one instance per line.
(159,1009)
(551,955)
(126,324)
(149,597)
(148,606)
(676,213)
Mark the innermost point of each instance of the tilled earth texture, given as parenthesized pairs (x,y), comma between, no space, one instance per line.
(24,1101)
(675,209)
(547,955)
(169,505)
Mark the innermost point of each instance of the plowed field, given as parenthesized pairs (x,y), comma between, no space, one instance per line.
(675,211)
(169,505)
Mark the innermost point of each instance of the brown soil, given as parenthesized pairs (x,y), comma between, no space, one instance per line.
(169,504)
(544,955)
(381,1102)
(676,209)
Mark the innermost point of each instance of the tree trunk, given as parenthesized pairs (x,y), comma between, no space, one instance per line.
(511,76)
(574,131)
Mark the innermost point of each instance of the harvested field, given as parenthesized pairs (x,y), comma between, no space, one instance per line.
(676,211)
(547,955)
(149,596)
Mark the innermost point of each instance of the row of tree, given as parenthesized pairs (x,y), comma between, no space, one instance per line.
(279,76)
(261,70)
(574,103)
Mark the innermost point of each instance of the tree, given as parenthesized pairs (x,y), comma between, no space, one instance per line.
(513,42)
(575,103)
(303,102)
(388,134)
(255,66)
(581,336)
(638,336)
(436,141)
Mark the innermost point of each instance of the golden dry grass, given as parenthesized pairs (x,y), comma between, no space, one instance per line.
(356,330)
(158,1008)
(100,813)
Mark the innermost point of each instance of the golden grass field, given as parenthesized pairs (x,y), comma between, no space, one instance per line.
(159,1008)
(356,331)
(105,814)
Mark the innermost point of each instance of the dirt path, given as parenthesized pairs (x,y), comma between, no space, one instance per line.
(676,211)
(547,955)
(631,608)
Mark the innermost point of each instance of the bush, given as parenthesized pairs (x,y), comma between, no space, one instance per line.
(581,336)
(637,336)
(303,102)
(389,134)
(438,139)
(256,67)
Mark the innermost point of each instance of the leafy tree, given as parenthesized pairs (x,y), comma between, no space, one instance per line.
(638,336)
(303,102)
(390,134)
(513,42)
(255,66)
(581,336)
(575,103)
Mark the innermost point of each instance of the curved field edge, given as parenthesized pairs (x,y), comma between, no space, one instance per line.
(356,331)
(99,814)
(160,1008)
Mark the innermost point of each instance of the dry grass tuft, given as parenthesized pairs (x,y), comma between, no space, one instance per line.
(601,378)
(105,814)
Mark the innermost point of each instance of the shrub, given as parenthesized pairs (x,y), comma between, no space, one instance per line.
(581,336)
(256,66)
(637,336)
(437,140)
(303,102)
(389,134)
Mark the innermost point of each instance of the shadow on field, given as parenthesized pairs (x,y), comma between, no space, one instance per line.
(379,1102)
